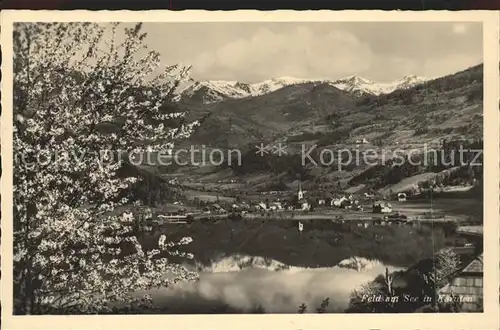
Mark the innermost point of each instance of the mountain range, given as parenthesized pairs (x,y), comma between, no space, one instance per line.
(404,115)
(212,91)
(291,109)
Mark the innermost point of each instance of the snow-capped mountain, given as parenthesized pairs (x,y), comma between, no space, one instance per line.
(409,81)
(214,90)
(211,91)
(358,85)
(239,262)
(271,85)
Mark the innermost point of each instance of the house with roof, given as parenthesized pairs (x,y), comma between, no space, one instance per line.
(304,205)
(362,141)
(217,208)
(381,207)
(337,202)
(261,206)
(467,285)
(275,206)
(128,217)
(369,195)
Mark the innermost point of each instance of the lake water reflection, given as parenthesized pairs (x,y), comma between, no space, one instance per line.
(244,283)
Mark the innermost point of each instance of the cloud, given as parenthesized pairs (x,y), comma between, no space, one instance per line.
(299,52)
(278,292)
(459,28)
(381,51)
(386,68)
(452,63)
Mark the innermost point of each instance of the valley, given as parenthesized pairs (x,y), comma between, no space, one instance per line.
(299,213)
(305,116)
(257,168)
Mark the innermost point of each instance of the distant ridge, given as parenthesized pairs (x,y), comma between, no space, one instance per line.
(212,91)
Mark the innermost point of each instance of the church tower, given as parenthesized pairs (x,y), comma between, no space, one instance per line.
(300,193)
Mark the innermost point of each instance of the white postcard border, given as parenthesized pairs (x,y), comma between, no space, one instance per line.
(486,320)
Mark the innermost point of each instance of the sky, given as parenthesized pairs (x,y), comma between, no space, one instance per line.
(254,51)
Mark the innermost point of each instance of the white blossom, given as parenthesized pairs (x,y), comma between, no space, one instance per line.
(68,236)
(161,241)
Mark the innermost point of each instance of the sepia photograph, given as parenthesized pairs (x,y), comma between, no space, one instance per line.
(247,167)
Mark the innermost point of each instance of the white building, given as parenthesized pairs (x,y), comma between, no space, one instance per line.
(127,216)
(262,206)
(337,202)
(382,207)
(300,193)
(368,195)
(302,203)
(277,206)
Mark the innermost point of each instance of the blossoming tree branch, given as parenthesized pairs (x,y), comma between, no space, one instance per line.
(70,247)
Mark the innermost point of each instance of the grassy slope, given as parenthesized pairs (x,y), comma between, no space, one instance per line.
(448,107)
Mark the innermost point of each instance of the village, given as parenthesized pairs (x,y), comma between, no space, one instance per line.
(362,210)
(347,210)
(301,204)
(365,208)
(209,182)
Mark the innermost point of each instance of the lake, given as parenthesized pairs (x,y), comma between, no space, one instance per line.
(269,266)
(244,284)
